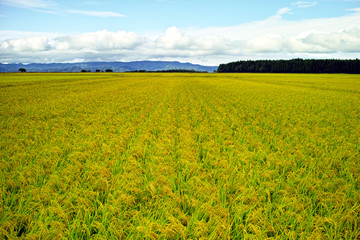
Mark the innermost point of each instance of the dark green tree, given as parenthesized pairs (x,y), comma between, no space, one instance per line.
(297,65)
(22,70)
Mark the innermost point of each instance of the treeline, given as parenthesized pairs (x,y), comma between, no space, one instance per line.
(97,70)
(171,71)
(293,66)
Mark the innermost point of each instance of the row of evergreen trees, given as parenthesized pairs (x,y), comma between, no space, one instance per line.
(293,66)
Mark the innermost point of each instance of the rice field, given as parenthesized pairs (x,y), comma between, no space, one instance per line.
(179,156)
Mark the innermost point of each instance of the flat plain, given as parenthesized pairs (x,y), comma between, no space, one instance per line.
(179,156)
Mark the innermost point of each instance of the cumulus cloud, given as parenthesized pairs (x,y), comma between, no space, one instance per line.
(214,43)
(32,44)
(271,38)
(334,42)
(344,41)
(173,39)
(89,42)
(98,41)
(265,44)
(179,42)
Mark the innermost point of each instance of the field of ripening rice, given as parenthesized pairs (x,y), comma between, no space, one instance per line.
(179,156)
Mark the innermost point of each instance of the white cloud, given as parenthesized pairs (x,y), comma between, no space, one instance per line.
(6,35)
(344,41)
(49,8)
(283,11)
(213,43)
(265,43)
(304,4)
(268,39)
(98,41)
(356,10)
(88,42)
(32,44)
(173,39)
(103,14)
(27,3)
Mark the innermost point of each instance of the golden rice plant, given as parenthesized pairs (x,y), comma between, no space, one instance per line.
(179,156)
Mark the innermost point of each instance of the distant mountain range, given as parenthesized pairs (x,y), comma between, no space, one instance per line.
(115,66)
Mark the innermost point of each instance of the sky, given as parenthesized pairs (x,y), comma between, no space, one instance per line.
(205,32)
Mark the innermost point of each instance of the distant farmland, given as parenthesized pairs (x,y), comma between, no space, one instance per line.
(179,156)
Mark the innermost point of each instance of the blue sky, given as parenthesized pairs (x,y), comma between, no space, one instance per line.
(199,31)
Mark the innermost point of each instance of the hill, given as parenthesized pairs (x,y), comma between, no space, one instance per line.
(115,66)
